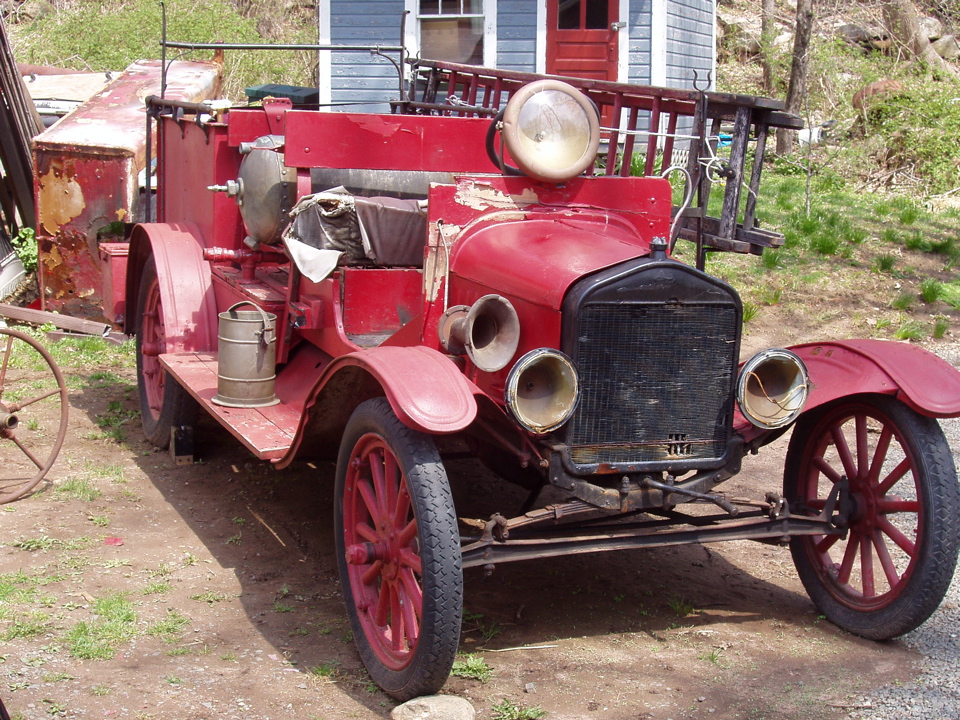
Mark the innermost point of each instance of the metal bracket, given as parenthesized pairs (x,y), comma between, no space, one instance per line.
(276,109)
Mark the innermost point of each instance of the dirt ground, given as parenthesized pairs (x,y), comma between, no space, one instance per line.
(237,610)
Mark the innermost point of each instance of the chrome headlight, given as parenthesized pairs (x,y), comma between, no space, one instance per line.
(551,130)
(542,390)
(772,388)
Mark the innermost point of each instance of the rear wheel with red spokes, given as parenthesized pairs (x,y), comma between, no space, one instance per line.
(398,550)
(894,566)
(164,403)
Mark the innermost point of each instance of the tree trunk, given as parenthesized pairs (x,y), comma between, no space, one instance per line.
(796,90)
(767,32)
(903,24)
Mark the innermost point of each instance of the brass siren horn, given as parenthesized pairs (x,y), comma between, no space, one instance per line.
(488,332)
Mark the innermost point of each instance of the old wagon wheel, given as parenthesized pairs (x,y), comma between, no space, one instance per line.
(894,566)
(398,550)
(33,413)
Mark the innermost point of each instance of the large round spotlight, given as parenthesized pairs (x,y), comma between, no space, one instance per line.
(551,130)
(772,389)
(542,390)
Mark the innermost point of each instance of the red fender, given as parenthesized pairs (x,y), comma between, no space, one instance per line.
(425,388)
(189,306)
(923,381)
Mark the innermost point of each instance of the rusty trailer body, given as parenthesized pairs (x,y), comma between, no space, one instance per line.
(87,189)
(490,269)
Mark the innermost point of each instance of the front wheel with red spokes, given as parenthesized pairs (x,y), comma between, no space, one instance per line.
(398,550)
(895,564)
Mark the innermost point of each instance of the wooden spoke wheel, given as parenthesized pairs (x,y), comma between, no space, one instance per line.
(398,549)
(894,566)
(33,413)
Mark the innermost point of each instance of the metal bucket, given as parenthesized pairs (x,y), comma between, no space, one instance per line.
(247,343)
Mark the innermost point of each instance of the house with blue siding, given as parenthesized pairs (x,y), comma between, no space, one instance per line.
(648,42)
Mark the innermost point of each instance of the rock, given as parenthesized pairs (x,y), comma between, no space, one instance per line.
(947,47)
(855,34)
(874,92)
(30,11)
(434,707)
(931,27)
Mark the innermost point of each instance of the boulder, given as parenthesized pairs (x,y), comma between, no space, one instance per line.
(931,27)
(855,34)
(434,707)
(947,47)
(870,94)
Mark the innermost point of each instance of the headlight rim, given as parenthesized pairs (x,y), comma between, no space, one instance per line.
(511,132)
(526,361)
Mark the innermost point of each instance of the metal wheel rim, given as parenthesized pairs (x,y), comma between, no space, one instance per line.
(382,547)
(10,435)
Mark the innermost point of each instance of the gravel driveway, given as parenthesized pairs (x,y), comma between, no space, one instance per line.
(935,695)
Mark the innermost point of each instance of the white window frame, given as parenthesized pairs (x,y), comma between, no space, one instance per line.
(488,13)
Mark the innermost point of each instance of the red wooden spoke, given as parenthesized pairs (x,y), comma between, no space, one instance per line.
(849,555)
(895,476)
(866,566)
(886,562)
(879,456)
(843,450)
(827,542)
(897,505)
(905,543)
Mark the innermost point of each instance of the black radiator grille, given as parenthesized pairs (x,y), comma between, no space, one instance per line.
(656,382)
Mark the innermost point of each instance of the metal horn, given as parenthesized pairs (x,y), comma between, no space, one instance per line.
(488,332)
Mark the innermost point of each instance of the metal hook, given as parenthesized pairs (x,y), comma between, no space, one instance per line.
(696,81)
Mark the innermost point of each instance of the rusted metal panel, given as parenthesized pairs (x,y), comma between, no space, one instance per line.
(86,179)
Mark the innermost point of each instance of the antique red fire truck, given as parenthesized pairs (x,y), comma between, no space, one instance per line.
(490,267)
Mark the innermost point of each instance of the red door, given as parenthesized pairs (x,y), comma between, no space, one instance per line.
(582,38)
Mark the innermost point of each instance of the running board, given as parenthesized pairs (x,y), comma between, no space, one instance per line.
(268,432)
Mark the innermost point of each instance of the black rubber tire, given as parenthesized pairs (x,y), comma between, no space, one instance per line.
(858,593)
(177,407)
(420,668)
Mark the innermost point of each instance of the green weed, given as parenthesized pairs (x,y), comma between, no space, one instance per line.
(902,302)
(471,666)
(170,628)
(680,606)
(909,330)
(77,489)
(114,624)
(750,311)
(329,669)
(931,290)
(508,710)
(25,245)
(210,597)
(940,327)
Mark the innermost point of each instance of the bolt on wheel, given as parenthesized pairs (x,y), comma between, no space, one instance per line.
(33,413)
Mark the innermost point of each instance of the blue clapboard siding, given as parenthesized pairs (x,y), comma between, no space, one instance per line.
(638,54)
(356,77)
(689,41)
(517,35)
